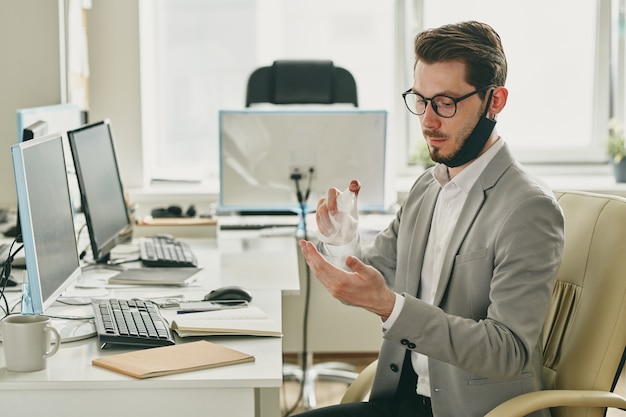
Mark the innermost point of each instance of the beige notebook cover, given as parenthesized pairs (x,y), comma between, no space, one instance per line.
(166,360)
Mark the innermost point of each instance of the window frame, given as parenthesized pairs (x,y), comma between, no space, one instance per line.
(406,128)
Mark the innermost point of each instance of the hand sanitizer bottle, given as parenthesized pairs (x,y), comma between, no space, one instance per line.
(345,201)
(345,222)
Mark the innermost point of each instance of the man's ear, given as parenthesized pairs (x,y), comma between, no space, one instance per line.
(498,100)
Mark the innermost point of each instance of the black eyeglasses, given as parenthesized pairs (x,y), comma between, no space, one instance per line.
(444,106)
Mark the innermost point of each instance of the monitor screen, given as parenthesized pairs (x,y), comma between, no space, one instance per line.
(261,150)
(101,191)
(47,221)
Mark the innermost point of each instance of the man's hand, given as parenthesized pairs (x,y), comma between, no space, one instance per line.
(336,227)
(363,287)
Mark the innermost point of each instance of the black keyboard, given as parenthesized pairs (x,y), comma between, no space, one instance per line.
(131,322)
(165,251)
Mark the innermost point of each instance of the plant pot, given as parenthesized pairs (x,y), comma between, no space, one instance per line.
(619,170)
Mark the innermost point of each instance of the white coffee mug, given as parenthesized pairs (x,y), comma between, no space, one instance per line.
(26,341)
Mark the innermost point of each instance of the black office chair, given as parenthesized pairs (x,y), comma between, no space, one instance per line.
(301,82)
(288,82)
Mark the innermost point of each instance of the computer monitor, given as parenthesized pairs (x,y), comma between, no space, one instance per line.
(32,121)
(59,117)
(261,150)
(35,130)
(101,191)
(47,221)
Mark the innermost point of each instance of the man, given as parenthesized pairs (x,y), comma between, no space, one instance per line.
(462,277)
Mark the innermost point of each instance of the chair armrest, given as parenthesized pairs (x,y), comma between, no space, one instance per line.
(359,388)
(525,404)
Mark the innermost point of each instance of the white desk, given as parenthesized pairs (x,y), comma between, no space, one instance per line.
(71,386)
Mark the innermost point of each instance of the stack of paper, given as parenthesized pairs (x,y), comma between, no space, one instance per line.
(249,321)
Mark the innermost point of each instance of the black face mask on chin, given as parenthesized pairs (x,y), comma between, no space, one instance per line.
(476,140)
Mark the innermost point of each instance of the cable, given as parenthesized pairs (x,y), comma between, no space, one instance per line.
(76,318)
(5,274)
(83,253)
(308,190)
(302,202)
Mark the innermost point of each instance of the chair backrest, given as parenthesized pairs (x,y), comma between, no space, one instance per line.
(585,328)
(301,82)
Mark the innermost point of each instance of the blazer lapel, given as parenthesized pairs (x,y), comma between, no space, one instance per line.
(487,179)
(420,236)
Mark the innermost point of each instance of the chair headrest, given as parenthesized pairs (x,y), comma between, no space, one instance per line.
(303,81)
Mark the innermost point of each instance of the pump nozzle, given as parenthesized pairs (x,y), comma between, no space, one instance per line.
(345,201)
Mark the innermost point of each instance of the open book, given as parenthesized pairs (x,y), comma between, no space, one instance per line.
(249,321)
(166,360)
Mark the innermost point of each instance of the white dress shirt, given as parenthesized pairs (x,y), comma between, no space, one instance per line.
(448,207)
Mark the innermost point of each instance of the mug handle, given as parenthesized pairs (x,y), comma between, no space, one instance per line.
(57,341)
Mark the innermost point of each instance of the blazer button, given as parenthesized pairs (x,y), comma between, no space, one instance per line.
(404,342)
(394,367)
(412,345)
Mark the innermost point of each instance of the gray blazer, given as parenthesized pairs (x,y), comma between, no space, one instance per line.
(482,335)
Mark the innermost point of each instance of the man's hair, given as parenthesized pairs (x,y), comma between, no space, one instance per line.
(474,43)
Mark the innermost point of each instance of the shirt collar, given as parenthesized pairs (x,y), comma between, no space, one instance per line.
(469,175)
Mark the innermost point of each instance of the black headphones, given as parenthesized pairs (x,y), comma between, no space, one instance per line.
(173,211)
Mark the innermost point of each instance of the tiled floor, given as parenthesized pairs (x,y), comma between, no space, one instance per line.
(330,392)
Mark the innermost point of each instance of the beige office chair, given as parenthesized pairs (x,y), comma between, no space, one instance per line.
(301,82)
(585,328)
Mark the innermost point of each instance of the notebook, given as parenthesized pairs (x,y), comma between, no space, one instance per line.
(249,321)
(167,360)
(155,276)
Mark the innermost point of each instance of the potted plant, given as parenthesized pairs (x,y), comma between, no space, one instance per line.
(617,150)
(421,155)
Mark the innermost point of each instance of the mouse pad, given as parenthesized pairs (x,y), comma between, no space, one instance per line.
(155,276)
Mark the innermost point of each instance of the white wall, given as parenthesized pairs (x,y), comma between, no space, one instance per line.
(30,72)
(30,75)
(113,39)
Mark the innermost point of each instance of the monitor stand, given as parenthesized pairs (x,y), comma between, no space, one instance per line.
(112,267)
(104,263)
(74,330)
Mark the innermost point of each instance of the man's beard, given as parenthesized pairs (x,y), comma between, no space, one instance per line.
(472,144)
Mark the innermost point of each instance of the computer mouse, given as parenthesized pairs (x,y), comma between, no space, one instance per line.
(229,293)
(165,236)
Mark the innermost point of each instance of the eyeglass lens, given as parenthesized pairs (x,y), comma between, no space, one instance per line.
(442,105)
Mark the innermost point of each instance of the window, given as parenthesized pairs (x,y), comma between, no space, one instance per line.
(558,73)
(199,53)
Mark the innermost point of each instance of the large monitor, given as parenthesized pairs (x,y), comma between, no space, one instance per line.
(37,121)
(102,194)
(261,151)
(47,221)
(59,118)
